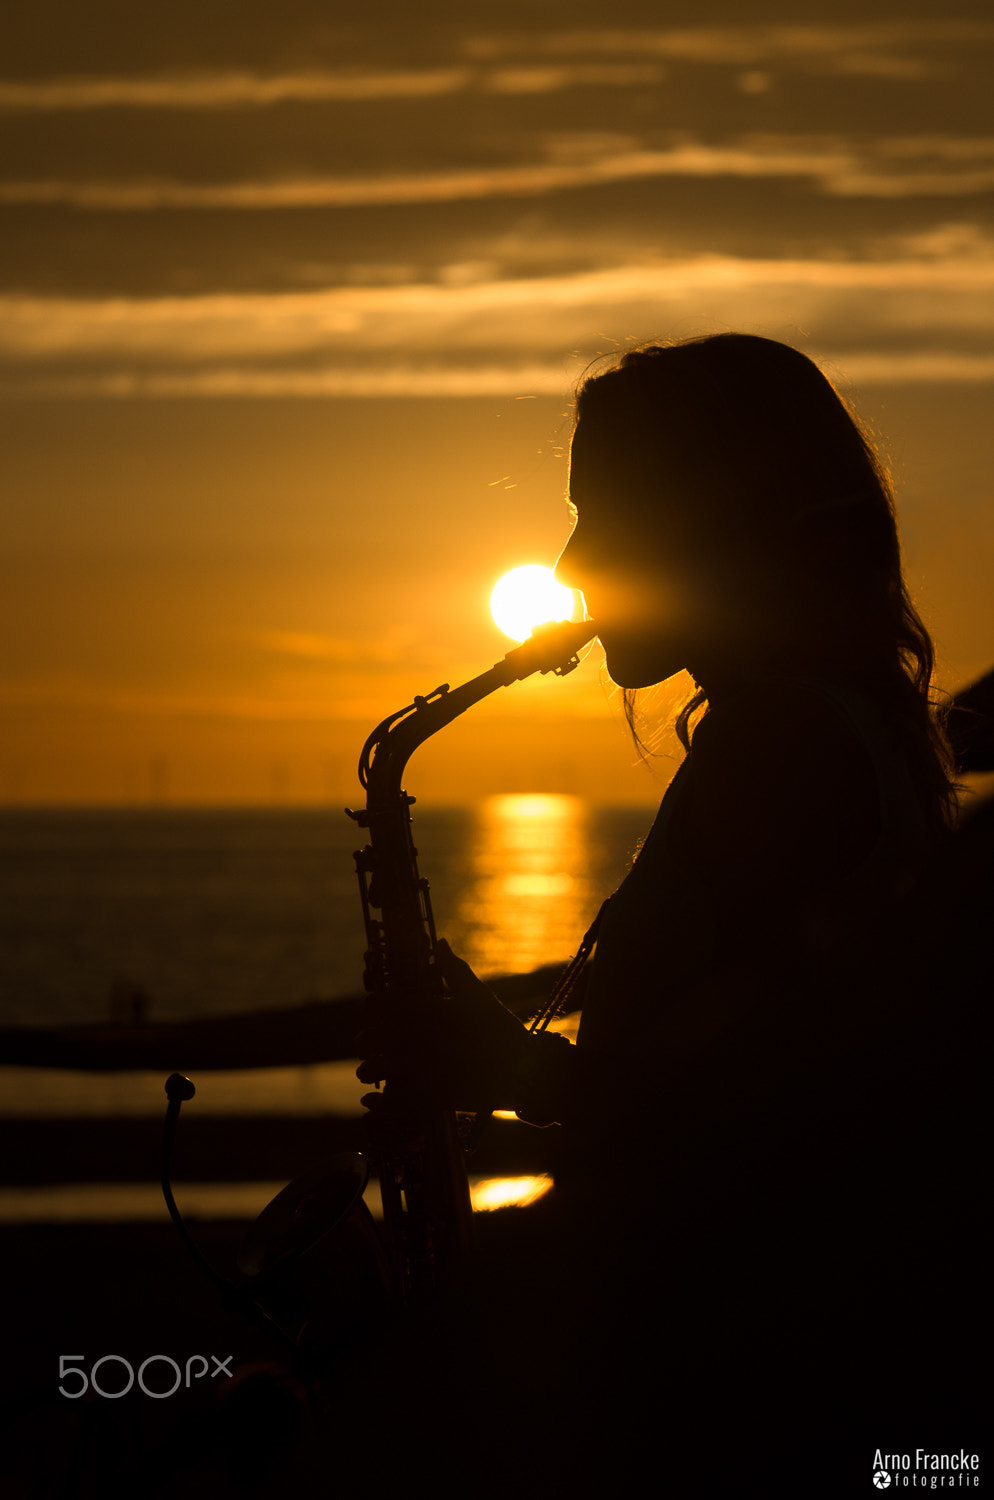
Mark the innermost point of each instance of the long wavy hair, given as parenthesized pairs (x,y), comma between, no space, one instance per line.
(745,447)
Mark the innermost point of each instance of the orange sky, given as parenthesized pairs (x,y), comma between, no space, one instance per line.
(291,322)
(224,603)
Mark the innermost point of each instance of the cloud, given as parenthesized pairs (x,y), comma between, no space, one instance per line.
(244,90)
(930,367)
(229,90)
(845,367)
(395,379)
(875,48)
(891,168)
(310,646)
(544,62)
(553,77)
(75,699)
(928,313)
(230,321)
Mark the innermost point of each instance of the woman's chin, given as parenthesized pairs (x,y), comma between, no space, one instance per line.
(631,666)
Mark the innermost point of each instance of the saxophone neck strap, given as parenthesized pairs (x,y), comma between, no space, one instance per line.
(569,978)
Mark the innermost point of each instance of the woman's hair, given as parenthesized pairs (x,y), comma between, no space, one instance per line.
(741,448)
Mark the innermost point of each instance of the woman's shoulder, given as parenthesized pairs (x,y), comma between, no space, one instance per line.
(786,766)
(779,731)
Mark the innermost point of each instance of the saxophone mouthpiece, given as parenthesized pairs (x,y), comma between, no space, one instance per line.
(550,648)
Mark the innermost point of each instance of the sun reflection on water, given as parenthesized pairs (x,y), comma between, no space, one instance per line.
(506,1192)
(529,887)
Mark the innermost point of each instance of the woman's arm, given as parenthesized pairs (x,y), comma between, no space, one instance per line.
(476,1054)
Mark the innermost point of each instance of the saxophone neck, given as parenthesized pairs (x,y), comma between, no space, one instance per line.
(385,754)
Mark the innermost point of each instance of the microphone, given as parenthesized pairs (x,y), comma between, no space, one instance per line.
(179,1088)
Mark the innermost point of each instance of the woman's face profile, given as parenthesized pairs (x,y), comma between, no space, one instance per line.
(633,585)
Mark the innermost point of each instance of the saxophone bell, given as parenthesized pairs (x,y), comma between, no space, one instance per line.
(313,1260)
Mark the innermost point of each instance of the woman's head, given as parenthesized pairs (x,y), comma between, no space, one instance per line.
(734,519)
(729,479)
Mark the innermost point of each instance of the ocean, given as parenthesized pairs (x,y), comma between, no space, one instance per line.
(177,913)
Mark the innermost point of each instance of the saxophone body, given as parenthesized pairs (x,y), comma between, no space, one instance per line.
(415,1141)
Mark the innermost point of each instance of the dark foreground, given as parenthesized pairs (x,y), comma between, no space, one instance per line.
(812,1289)
(423,1411)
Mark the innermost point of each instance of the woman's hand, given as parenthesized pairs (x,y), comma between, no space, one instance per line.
(464,1044)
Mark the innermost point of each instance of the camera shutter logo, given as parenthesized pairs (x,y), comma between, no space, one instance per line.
(881,1478)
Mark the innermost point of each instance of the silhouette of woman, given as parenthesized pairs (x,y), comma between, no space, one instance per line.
(733,519)
(717,1205)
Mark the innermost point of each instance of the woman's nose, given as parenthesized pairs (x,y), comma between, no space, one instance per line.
(566,570)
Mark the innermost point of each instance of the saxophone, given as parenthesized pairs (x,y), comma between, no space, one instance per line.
(313,1264)
(415,1142)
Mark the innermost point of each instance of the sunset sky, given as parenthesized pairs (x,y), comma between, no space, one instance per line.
(293,301)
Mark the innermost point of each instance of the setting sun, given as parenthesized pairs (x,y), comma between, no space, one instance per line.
(529,596)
